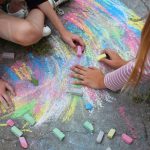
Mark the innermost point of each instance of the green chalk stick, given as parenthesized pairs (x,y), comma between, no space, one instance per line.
(16,131)
(29,119)
(60,135)
(88,126)
(34,81)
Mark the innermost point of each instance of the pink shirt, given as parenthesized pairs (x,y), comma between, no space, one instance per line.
(115,80)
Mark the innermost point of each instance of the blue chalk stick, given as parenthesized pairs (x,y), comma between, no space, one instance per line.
(88,106)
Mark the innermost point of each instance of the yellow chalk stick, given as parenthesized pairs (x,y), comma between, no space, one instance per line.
(111,133)
(3,125)
(101,57)
(26,130)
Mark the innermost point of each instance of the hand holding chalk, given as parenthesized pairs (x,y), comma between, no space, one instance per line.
(112,59)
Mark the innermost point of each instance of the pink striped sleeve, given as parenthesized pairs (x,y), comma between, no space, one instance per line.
(115,80)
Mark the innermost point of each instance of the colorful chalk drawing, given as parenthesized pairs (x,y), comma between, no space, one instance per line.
(102,24)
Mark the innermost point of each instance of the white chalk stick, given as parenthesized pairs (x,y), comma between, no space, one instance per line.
(7,55)
(100,137)
(108,148)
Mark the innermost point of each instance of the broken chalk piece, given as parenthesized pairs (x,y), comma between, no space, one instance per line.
(34,81)
(88,106)
(101,57)
(16,131)
(79,51)
(75,91)
(111,133)
(108,148)
(29,119)
(100,137)
(7,55)
(60,135)
(23,142)
(10,123)
(127,139)
(88,126)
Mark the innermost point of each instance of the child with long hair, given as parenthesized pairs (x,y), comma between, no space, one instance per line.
(129,73)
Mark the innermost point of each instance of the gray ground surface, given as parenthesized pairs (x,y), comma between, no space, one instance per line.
(136,118)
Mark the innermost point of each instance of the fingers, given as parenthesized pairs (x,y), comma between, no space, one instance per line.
(8,87)
(80,83)
(93,68)
(78,40)
(79,67)
(71,43)
(9,102)
(78,76)
(4,103)
(106,61)
(78,70)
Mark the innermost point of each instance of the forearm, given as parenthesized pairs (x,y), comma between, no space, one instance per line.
(47,9)
(115,80)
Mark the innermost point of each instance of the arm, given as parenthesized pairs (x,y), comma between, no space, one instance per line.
(115,80)
(68,37)
(47,9)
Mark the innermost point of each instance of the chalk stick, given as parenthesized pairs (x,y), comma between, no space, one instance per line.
(29,119)
(10,123)
(60,135)
(101,57)
(79,51)
(108,148)
(16,131)
(111,133)
(88,126)
(127,139)
(75,91)
(100,137)
(23,142)
(34,81)
(88,106)
(3,124)
(7,55)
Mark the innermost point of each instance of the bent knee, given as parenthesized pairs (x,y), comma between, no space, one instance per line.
(27,34)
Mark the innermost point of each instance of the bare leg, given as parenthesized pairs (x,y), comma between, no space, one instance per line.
(22,31)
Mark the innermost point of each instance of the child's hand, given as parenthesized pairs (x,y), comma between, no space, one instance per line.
(91,77)
(4,97)
(72,39)
(115,60)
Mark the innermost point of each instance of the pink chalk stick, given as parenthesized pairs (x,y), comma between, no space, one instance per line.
(10,122)
(127,139)
(79,51)
(23,142)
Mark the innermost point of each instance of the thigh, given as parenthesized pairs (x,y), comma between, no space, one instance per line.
(10,25)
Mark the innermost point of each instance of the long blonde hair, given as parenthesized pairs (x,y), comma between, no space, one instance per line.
(144,48)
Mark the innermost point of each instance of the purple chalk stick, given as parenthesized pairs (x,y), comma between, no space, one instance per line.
(79,51)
